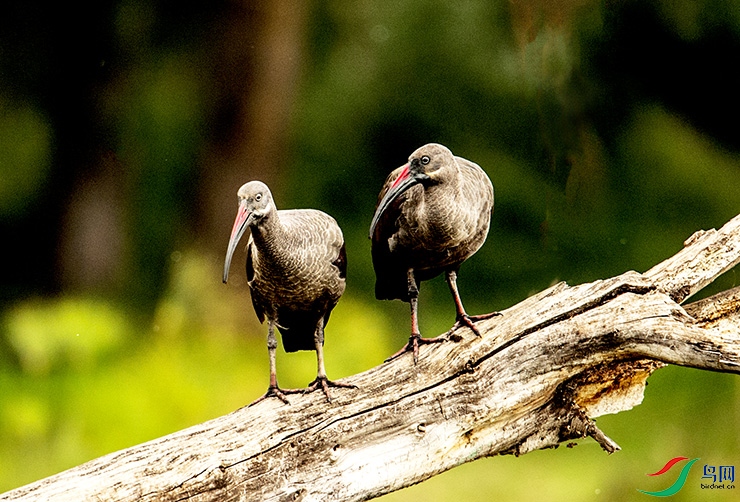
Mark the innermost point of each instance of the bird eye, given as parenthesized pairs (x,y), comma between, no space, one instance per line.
(425,159)
(258,197)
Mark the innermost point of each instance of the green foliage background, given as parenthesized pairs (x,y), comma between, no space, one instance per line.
(608,129)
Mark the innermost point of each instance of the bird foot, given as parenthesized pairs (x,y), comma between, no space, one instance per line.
(325,383)
(275,391)
(469,321)
(413,346)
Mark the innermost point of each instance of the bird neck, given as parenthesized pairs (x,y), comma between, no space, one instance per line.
(269,234)
(450,184)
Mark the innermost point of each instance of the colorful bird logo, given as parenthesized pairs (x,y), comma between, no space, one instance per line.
(678,484)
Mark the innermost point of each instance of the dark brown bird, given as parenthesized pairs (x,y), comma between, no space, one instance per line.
(433,213)
(296,269)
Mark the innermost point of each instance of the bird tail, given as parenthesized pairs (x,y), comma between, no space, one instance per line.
(297,338)
(298,329)
(392,286)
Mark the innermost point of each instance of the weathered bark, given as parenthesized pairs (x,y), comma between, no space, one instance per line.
(537,376)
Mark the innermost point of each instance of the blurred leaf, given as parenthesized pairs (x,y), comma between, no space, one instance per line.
(25,157)
(75,332)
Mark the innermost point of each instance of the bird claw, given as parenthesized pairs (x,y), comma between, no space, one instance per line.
(469,320)
(276,392)
(413,346)
(325,383)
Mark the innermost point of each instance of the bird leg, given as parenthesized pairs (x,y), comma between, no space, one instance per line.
(462,317)
(321,379)
(273,390)
(415,339)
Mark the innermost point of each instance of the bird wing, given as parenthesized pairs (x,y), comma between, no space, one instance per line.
(256,299)
(317,245)
(476,177)
(341,262)
(316,235)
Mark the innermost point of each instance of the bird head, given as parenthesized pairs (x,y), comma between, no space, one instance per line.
(425,166)
(255,202)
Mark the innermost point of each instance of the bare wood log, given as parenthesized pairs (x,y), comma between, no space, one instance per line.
(537,377)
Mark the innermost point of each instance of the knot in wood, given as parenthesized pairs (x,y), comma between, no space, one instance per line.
(334,453)
(296,495)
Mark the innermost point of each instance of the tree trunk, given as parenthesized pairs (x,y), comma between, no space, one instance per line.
(258,67)
(535,378)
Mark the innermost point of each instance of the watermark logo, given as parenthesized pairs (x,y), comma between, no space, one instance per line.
(722,477)
(678,484)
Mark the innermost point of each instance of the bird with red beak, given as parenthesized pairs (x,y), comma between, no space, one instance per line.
(296,272)
(433,213)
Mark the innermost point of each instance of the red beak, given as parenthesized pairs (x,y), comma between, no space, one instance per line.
(243,217)
(406,179)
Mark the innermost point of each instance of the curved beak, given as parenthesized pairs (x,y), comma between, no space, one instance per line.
(243,217)
(405,180)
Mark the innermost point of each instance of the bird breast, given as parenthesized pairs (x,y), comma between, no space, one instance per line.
(440,227)
(445,219)
(293,261)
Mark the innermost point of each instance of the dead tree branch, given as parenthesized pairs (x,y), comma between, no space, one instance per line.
(537,377)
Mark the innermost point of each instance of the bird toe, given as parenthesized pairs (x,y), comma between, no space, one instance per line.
(276,392)
(413,346)
(324,383)
(469,321)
